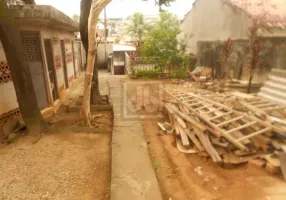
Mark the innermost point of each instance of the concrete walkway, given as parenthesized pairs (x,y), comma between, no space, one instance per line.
(132,177)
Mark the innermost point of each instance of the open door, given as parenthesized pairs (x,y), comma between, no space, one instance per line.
(63,50)
(51,68)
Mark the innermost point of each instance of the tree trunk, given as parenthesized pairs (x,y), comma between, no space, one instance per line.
(85,6)
(22,80)
(249,83)
(96,7)
(95,96)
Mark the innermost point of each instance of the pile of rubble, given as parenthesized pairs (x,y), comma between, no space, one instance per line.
(215,125)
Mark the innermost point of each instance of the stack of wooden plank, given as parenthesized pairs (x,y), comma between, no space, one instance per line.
(214,129)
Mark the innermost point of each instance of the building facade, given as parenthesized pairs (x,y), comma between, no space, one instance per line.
(54,56)
(217,20)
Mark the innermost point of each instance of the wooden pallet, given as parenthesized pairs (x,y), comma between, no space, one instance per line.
(236,127)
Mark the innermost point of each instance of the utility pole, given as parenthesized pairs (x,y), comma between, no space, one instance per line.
(105,35)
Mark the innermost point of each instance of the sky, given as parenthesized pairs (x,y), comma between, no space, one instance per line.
(122,8)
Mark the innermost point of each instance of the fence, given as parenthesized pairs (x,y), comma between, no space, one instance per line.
(134,65)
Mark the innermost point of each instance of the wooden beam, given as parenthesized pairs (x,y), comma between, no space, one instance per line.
(184,137)
(229,121)
(254,134)
(241,127)
(187,118)
(219,116)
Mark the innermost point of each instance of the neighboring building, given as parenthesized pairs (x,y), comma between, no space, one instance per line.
(53,55)
(220,19)
(119,50)
(210,21)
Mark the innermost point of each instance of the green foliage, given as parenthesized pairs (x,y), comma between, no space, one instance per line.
(140,73)
(162,41)
(138,28)
(162,44)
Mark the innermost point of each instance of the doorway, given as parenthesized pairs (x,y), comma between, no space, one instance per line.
(33,55)
(51,68)
(63,50)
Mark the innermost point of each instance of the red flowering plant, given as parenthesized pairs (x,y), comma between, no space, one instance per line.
(226,50)
(257,50)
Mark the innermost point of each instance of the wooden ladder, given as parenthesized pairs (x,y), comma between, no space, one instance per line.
(221,117)
(263,105)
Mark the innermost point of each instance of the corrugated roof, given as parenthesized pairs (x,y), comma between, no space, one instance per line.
(272,12)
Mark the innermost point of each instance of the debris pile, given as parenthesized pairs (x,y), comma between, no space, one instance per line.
(206,125)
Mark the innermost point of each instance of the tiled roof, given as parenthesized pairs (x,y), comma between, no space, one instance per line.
(272,12)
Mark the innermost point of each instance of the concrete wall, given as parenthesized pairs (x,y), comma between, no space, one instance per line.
(101,61)
(8,100)
(275,51)
(213,20)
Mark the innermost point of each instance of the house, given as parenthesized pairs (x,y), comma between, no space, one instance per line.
(54,56)
(216,20)
(119,65)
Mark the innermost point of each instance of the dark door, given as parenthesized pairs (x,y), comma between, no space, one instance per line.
(63,49)
(73,55)
(80,63)
(32,54)
(51,68)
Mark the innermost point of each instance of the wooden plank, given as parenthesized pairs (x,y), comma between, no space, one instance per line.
(176,126)
(241,127)
(229,121)
(254,134)
(206,106)
(193,138)
(253,108)
(258,103)
(184,137)
(219,116)
(264,105)
(274,161)
(187,118)
(181,122)
(216,109)
(182,149)
(282,157)
(212,125)
(273,109)
(208,146)
(161,126)
(216,142)
(194,104)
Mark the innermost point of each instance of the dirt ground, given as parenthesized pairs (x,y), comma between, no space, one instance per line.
(59,166)
(178,174)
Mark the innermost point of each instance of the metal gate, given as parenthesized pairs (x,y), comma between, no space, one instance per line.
(32,54)
(51,68)
(63,49)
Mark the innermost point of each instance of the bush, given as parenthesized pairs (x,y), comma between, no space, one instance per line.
(146,73)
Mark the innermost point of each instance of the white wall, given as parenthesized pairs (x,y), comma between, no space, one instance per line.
(101,61)
(8,99)
(211,20)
